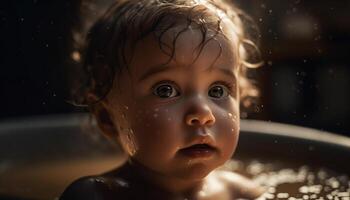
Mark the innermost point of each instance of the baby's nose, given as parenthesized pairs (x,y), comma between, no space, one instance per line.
(199,114)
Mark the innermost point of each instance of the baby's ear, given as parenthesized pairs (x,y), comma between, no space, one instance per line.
(104,119)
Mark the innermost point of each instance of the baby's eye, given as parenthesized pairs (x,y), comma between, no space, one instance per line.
(165,90)
(218,91)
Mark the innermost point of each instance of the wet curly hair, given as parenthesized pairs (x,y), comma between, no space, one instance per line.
(103,54)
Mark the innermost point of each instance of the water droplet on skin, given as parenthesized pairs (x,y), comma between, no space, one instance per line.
(123,115)
(233,117)
(155,115)
(189,162)
(156,110)
(126,107)
(232,130)
(169,119)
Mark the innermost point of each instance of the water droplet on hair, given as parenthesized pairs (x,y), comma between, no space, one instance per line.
(156,110)
(126,107)
(155,115)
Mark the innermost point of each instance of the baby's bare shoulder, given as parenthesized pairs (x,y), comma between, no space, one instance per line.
(240,186)
(95,187)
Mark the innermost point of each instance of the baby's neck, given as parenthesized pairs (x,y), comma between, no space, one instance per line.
(173,185)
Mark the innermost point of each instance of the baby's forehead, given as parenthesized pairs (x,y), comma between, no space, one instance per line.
(184,46)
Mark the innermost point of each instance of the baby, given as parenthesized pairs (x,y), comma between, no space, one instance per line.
(166,78)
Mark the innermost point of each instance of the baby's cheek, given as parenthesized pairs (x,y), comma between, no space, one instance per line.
(148,119)
(233,121)
(228,131)
(158,124)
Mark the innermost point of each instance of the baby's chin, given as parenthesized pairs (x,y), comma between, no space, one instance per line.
(195,172)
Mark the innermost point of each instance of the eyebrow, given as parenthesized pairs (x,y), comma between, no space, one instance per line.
(227,72)
(164,67)
(155,70)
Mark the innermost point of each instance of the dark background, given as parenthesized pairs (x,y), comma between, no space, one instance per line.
(305,45)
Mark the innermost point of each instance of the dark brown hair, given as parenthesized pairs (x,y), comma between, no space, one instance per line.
(114,35)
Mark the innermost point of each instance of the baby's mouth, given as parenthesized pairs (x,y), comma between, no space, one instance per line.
(198,151)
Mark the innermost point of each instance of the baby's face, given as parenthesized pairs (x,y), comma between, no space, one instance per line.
(165,113)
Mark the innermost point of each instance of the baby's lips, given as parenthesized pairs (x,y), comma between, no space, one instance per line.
(198,151)
(199,146)
(202,139)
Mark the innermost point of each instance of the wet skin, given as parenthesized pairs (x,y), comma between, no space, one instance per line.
(177,122)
